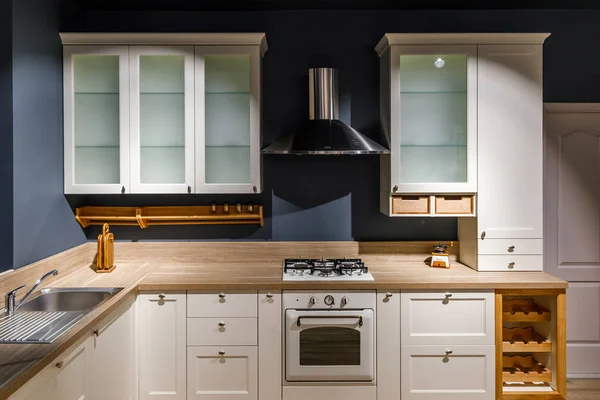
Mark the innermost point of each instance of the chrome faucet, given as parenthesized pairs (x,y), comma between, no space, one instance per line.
(11,297)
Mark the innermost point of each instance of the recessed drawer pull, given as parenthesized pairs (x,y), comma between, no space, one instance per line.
(221,323)
(359,317)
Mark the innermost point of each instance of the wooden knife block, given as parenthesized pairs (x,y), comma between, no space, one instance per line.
(105,259)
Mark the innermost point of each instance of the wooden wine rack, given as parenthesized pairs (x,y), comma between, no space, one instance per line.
(530,331)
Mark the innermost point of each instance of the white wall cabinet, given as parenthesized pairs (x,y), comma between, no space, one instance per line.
(162,352)
(162,113)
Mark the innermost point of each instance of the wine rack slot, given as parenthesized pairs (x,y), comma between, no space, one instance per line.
(524,340)
(523,310)
(524,369)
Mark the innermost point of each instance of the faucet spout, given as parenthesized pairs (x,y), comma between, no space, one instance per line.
(11,303)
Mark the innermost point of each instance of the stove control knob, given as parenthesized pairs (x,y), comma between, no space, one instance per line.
(344,301)
(312,301)
(329,300)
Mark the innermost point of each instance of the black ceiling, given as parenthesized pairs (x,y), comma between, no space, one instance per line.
(267,5)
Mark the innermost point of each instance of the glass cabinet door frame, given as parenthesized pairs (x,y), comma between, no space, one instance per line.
(135,53)
(254,186)
(470,186)
(69,53)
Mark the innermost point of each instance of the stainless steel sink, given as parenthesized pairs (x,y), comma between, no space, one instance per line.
(51,313)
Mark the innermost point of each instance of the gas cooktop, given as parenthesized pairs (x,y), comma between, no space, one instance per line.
(336,269)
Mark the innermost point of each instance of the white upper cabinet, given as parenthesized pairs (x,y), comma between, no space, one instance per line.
(432,118)
(228,119)
(162,113)
(96,119)
(162,119)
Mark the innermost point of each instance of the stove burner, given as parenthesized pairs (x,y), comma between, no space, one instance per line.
(327,268)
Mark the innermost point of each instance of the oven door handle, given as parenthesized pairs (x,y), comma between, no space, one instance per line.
(359,317)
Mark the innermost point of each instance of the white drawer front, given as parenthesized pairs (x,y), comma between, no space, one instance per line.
(224,373)
(221,332)
(222,304)
(448,372)
(519,262)
(511,246)
(440,317)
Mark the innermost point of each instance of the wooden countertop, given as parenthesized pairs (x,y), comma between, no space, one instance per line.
(219,266)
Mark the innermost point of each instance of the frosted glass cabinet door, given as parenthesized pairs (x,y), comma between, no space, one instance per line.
(227,119)
(96,119)
(162,119)
(436,103)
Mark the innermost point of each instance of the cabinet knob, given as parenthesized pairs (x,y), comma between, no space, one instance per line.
(221,352)
(448,295)
(511,249)
(161,296)
(189,189)
(60,364)
(482,235)
(221,295)
(254,189)
(269,295)
(448,352)
(388,295)
(96,333)
(123,190)
(221,324)
(395,189)
(511,265)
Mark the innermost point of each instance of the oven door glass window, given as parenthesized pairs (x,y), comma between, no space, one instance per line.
(330,345)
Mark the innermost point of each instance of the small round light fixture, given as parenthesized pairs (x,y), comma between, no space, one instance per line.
(439,62)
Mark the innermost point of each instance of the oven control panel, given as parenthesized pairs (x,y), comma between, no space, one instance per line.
(329,299)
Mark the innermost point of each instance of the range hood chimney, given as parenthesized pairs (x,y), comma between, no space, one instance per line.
(324,133)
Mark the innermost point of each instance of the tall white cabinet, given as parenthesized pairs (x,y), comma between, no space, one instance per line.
(162,113)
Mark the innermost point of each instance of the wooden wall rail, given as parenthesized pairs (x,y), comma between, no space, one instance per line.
(143,217)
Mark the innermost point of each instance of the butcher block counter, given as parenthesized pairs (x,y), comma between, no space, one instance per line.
(158,266)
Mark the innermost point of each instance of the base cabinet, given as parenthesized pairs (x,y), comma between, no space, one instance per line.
(448,372)
(222,373)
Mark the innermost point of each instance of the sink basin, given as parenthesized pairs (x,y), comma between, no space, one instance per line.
(68,299)
(51,313)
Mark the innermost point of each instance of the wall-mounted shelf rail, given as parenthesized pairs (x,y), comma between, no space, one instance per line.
(226,214)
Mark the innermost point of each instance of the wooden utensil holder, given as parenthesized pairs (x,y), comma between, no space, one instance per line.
(105,258)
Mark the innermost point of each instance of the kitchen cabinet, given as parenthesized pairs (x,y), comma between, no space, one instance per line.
(162,350)
(388,344)
(162,119)
(162,113)
(270,322)
(222,373)
(508,232)
(96,119)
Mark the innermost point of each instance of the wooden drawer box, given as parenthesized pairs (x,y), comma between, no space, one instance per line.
(448,372)
(221,332)
(410,205)
(519,262)
(445,318)
(222,304)
(454,204)
(511,246)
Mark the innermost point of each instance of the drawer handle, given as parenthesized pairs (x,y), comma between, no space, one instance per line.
(161,296)
(452,198)
(511,265)
(60,364)
(221,352)
(96,333)
(388,295)
(511,249)
(269,295)
(448,352)
(221,323)
(222,295)
(448,295)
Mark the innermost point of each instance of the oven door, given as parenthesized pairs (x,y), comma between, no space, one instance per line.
(329,346)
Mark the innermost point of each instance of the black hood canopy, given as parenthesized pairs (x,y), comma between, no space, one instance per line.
(324,133)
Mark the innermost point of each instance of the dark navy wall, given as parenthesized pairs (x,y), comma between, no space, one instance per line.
(337,198)
(6,140)
(43,222)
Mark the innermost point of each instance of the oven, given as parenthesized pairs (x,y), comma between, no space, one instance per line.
(329,337)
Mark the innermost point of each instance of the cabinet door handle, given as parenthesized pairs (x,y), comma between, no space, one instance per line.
(221,352)
(122,189)
(60,364)
(161,296)
(448,295)
(388,295)
(221,295)
(511,249)
(448,352)
(511,265)
(96,333)
(269,295)
(189,189)
(221,323)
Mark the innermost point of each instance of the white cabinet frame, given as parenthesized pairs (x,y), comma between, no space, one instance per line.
(71,187)
(254,186)
(134,63)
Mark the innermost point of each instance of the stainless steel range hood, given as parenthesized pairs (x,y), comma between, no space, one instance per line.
(324,133)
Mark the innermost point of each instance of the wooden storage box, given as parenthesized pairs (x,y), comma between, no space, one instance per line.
(454,204)
(410,205)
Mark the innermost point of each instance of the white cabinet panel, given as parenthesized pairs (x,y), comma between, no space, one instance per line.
(448,372)
(583,360)
(509,141)
(519,262)
(222,304)
(444,318)
(511,246)
(222,373)
(583,312)
(162,366)
(388,345)
(221,331)
(269,345)
(331,393)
